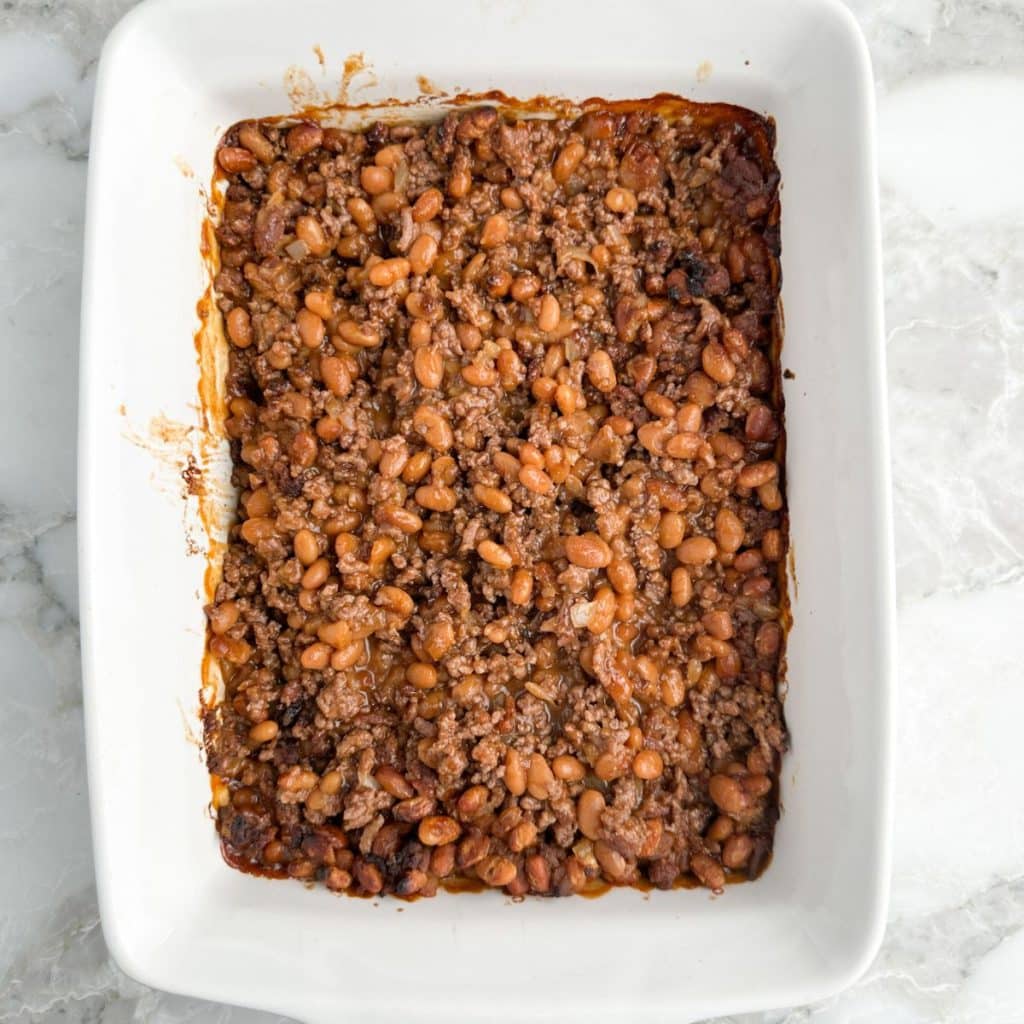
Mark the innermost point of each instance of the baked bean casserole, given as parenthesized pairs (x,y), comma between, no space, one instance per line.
(504,604)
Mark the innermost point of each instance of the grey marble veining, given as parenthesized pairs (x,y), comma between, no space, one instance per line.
(951,87)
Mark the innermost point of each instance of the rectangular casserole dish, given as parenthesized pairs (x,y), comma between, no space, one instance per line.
(174,75)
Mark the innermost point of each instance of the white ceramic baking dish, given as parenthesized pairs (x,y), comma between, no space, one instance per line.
(174,74)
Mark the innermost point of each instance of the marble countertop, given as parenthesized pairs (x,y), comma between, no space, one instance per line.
(950,77)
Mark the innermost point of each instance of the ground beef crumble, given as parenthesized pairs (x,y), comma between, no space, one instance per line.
(503,599)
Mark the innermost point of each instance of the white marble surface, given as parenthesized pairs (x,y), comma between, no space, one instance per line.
(951,90)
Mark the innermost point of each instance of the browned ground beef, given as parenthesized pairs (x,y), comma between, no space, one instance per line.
(503,598)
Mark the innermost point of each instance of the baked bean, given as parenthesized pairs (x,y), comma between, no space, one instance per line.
(524,287)
(682,587)
(770,496)
(659,405)
(495,231)
(717,364)
(392,461)
(538,873)
(736,851)
(376,180)
(427,206)
(757,473)
(414,809)
(729,531)
(521,587)
(347,656)
(684,446)
(493,498)
(264,732)
(311,328)
(510,369)
(434,428)
(568,399)
(568,768)
(697,551)
(235,159)
(614,866)
(759,424)
(718,624)
(438,639)
(771,545)
(543,389)
(387,272)
(428,365)
(653,436)
(436,498)
(437,830)
(720,829)
(310,231)
(549,315)
(601,371)
(671,530)
(648,764)
(589,808)
(393,783)
(459,183)
(472,802)
(588,551)
(421,675)
(708,871)
(567,161)
(748,561)
(701,390)
(337,634)
(620,200)
(511,199)
(480,375)
(316,575)
(396,600)
(422,254)
(727,447)
(315,656)
(494,554)
(303,139)
(609,767)
(622,576)
(257,143)
(257,529)
(530,454)
(689,418)
(768,639)
(336,375)
(362,213)
(536,480)
(386,204)
(416,468)
(239,327)
(358,335)
(306,548)
(515,773)
(728,794)
(673,687)
(496,871)
(539,778)
(472,850)
(223,616)
(602,610)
